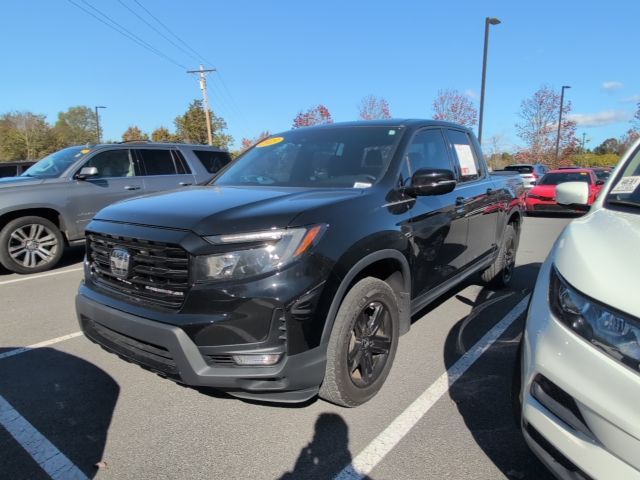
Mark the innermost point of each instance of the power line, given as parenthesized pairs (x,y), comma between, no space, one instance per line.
(179,47)
(124,32)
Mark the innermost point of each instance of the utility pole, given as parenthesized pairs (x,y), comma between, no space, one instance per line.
(487,22)
(98,122)
(560,121)
(202,73)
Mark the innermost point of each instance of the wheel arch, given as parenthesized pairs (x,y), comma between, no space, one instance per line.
(49,213)
(388,265)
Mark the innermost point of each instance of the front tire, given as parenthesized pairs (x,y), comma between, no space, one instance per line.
(362,345)
(30,245)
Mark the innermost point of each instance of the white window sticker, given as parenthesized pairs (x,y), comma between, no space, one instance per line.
(626,185)
(467,162)
(361,185)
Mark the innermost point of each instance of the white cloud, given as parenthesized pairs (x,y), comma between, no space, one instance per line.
(631,99)
(600,119)
(611,85)
(471,94)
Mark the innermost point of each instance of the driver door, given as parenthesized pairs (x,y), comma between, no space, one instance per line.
(118,178)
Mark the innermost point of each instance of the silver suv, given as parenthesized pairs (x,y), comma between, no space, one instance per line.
(49,205)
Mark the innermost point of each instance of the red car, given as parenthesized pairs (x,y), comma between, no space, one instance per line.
(542,197)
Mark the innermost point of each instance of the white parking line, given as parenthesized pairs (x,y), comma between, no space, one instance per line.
(33,277)
(45,453)
(46,343)
(373,454)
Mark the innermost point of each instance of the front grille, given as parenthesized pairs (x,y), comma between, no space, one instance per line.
(158,273)
(154,357)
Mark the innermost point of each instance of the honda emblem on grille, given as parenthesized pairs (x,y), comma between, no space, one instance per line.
(119,259)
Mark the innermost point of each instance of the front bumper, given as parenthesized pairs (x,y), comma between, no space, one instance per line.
(167,350)
(602,439)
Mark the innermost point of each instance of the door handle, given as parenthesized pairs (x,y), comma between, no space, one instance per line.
(184,184)
(459,201)
(491,191)
(132,187)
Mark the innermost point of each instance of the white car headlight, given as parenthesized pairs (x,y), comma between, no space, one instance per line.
(254,253)
(614,332)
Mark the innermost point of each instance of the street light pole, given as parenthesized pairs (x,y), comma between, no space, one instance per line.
(98,122)
(560,121)
(487,21)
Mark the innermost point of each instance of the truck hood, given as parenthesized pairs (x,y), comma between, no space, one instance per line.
(220,210)
(597,254)
(8,182)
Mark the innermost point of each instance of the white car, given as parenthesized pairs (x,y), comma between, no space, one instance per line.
(579,393)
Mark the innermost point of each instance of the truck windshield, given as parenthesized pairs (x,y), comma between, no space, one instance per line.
(54,165)
(333,157)
(625,191)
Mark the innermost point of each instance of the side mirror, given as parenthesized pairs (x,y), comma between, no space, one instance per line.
(599,182)
(431,182)
(574,195)
(87,172)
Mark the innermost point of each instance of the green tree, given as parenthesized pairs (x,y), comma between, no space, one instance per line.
(134,133)
(25,136)
(192,126)
(76,126)
(610,145)
(162,134)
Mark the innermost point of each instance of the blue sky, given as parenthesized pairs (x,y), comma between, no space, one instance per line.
(277,58)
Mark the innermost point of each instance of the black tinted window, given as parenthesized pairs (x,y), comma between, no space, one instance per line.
(428,150)
(7,171)
(113,163)
(467,161)
(519,168)
(157,162)
(212,161)
(181,163)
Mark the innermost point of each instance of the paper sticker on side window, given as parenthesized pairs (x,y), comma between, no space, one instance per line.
(465,157)
(626,185)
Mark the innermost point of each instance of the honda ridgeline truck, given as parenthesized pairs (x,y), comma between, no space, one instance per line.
(297,268)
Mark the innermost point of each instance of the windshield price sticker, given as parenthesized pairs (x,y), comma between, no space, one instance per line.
(627,185)
(269,141)
(465,157)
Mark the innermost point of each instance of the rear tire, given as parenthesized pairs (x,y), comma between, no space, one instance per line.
(30,245)
(362,344)
(500,273)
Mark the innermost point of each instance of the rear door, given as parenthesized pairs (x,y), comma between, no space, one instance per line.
(476,196)
(118,178)
(439,227)
(163,169)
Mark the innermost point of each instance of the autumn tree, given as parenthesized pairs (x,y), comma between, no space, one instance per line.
(539,126)
(25,136)
(134,133)
(162,134)
(373,108)
(452,106)
(249,142)
(76,126)
(318,115)
(192,126)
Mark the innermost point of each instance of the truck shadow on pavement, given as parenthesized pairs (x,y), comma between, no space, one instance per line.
(483,394)
(327,453)
(66,399)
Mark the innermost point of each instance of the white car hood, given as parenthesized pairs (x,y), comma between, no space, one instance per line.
(599,254)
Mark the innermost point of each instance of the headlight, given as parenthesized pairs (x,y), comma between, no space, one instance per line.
(254,253)
(616,333)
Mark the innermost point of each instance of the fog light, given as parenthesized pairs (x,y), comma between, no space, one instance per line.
(262,359)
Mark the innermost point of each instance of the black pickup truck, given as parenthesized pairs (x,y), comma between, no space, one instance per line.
(297,268)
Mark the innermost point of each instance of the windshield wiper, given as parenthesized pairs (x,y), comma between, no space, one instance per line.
(624,203)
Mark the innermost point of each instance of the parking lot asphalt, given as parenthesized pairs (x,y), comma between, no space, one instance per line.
(72,403)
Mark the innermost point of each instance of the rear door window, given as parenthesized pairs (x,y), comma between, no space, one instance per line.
(157,162)
(467,162)
(211,160)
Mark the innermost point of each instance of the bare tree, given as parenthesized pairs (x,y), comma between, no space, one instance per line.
(452,106)
(373,108)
